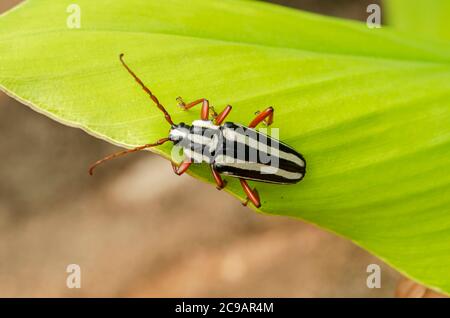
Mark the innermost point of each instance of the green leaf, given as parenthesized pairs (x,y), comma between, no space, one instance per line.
(368,108)
(423,18)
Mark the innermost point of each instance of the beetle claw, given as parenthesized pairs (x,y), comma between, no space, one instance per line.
(223,186)
(181,103)
(213,112)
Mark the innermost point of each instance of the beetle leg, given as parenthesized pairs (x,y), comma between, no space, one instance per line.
(266,116)
(219,181)
(204,113)
(221,117)
(252,195)
(185,106)
(182,168)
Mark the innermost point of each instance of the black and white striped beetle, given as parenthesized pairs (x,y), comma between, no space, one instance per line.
(230,149)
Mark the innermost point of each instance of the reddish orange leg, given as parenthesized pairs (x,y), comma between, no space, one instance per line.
(266,116)
(221,117)
(204,113)
(219,181)
(182,168)
(252,195)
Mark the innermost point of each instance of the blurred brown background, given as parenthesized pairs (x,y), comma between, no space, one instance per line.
(138,230)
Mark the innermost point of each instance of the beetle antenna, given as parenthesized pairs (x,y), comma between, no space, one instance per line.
(125,152)
(147,90)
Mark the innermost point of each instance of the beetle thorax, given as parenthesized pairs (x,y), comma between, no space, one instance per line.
(199,141)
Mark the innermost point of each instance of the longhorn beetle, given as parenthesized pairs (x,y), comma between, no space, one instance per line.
(229,148)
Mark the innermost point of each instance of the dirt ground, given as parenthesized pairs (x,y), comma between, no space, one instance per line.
(138,230)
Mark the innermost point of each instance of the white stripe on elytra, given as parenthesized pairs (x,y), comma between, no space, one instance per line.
(232,135)
(195,156)
(242,164)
